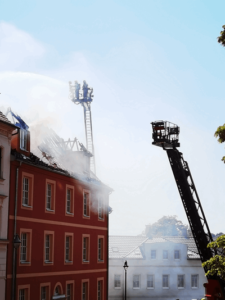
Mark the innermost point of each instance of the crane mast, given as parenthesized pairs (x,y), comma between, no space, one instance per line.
(166,135)
(85,98)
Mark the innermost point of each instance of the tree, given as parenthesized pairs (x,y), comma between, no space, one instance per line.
(166,226)
(216,264)
(220,133)
(221,38)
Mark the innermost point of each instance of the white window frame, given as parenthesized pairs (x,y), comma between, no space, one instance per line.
(48,247)
(166,287)
(153,277)
(22,294)
(167,254)
(26,187)
(68,249)
(151,254)
(43,293)
(181,287)
(23,139)
(85,290)
(117,287)
(195,287)
(49,197)
(139,282)
(23,247)
(69,288)
(175,251)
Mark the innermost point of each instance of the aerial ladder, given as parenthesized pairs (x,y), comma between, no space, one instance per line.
(85,98)
(166,135)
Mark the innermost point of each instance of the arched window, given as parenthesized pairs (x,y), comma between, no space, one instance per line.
(57,291)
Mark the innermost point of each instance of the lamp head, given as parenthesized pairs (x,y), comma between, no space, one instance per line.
(16,241)
(125,265)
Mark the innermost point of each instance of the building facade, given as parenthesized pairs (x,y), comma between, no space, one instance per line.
(6,130)
(62,221)
(159,268)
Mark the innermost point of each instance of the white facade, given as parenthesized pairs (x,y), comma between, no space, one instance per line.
(162,269)
(6,129)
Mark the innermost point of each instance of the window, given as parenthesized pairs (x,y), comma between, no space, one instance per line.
(69,289)
(150,281)
(153,254)
(100,208)
(27,190)
(136,281)
(23,139)
(86,249)
(85,290)
(165,254)
(50,196)
(176,254)
(24,292)
(23,251)
(100,290)
(194,281)
(86,201)
(180,281)
(68,247)
(69,200)
(25,247)
(48,247)
(165,281)
(45,291)
(117,281)
(100,248)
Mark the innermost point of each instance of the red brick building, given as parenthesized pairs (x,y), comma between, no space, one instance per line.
(62,222)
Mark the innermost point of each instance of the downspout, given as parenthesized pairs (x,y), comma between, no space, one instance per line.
(14,234)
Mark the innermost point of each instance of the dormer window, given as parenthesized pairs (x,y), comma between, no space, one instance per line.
(23,139)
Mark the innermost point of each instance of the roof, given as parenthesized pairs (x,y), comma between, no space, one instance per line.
(4,119)
(123,246)
(36,161)
(128,246)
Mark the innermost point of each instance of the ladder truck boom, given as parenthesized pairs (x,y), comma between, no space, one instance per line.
(166,135)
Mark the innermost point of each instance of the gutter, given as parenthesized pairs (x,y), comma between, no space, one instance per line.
(13,293)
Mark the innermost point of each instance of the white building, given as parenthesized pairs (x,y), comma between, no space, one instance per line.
(159,268)
(6,129)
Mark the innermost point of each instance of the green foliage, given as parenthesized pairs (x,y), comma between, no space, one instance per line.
(220,134)
(221,38)
(166,226)
(216,264)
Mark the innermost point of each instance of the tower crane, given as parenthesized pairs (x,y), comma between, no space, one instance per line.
(85,98)
(166,135)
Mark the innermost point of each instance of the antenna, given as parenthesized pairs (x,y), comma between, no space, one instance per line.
(85,98)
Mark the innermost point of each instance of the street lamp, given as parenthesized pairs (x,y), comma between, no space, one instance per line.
(16,244)
(125,269)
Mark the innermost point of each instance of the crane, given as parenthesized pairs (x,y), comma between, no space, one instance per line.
(85,98)
(166,135)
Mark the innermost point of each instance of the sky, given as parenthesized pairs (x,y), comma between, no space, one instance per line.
(146,60)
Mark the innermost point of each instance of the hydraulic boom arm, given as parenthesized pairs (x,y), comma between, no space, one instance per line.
(166,135)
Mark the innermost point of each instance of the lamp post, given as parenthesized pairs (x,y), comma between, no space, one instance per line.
(125,269)
(16,244)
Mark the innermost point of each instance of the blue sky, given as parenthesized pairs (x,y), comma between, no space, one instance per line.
(146,60)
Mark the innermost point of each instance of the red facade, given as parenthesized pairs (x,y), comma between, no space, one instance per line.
(62,222)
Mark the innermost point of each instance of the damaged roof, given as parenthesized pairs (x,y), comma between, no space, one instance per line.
(36,161)
(128,246)
(4,119)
